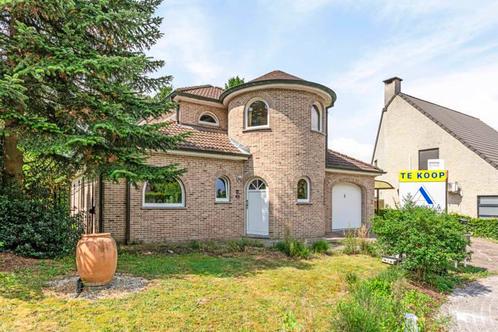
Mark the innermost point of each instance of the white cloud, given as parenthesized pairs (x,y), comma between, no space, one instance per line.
(352,147)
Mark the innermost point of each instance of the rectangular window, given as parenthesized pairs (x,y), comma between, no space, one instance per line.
(487,206)
(424,155)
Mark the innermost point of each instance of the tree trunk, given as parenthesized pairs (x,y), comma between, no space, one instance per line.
(13,158)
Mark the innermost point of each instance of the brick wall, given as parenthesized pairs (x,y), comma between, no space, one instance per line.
(283,154)
(201,219)
(190,113)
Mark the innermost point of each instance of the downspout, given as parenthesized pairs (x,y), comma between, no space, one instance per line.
(127,212)
(101,204)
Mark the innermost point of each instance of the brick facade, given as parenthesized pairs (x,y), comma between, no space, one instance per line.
(280,155)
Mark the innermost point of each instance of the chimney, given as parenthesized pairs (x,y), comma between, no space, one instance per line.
(392,86)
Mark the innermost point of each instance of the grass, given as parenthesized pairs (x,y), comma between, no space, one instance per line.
(255,291)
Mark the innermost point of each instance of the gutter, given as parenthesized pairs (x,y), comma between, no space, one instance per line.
(353,172)
(127,212)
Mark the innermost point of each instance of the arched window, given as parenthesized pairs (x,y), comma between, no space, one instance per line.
(208,119)
(257,114)
(303,190)
(257,184)
(222,187)
(316,118)
(164,194)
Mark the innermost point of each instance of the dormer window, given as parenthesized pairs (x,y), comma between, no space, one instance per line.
(316,118)
(257,114)
(208,119)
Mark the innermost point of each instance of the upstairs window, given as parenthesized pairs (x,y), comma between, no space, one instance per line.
(257,114)
(222,190)
(487,206)
(303,191)
(164,194)
(425,155)
(208,119)
(316,118)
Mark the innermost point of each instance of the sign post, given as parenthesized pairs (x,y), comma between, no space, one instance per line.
(424,188)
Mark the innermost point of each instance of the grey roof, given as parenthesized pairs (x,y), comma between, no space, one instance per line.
(337,160)
(470,131)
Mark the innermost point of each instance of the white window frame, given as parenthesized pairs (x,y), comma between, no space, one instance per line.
(308,190)
(217,124)
(164,205)
(320,117)
(246,115)
(227,182)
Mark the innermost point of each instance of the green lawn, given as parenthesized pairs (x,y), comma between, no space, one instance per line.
(244,292)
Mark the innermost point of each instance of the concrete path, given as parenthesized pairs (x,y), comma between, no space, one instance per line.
(475,307)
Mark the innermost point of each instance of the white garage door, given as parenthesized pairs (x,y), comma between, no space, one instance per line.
(346,206)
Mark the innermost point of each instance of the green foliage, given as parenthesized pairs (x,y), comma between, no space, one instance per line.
(75,85)
(233,82)
(320,246)
(430,240)
(37,228)
(290,322)
(379,304)
(351,244)
(293,248)
(482,227)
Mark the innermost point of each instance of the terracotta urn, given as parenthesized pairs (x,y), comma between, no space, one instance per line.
(96,259)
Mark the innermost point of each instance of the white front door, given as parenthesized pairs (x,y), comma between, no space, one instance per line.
(346,206)
(257,208)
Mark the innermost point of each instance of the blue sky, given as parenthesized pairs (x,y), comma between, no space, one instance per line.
(446,52)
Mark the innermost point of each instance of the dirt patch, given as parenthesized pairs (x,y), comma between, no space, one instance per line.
(121,285)
(11,263)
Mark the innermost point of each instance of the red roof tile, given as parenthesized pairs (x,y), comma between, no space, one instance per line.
(338,160)
(205,139)
(206,91)
(276,75)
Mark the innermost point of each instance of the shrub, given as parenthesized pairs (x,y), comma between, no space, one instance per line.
(480,227)
(371,306)
(320,246)
(350,244)
(293,248)
(429,241)
(33,227)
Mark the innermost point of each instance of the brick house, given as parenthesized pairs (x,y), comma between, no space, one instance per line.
(413,131)
(257,165)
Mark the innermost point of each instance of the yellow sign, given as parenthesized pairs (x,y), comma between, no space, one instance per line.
(423,176)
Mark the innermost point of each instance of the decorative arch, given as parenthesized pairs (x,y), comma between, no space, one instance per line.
(250,122)
(209,119)
(167,194)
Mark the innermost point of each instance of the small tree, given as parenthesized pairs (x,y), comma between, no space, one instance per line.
(233,82)
(430,241)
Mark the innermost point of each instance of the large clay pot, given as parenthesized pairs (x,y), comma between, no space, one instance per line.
(96,259)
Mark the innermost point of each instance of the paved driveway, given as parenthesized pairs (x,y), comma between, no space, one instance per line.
(475,307)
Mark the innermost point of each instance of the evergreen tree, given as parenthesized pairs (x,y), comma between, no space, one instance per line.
(75,86)
(233,82)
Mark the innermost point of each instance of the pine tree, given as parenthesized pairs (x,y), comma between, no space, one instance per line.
(233,82)
(75,86)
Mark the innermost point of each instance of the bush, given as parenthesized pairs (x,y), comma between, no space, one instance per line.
(33,227)
(428,241)
(480,227)
(351,244)
(320,246)
(379,304)
(293,248)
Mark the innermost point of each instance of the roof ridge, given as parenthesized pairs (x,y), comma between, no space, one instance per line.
(447,108)
(193,87)
(347,156)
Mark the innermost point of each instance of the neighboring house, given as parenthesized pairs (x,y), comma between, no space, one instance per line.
(257,165)
(413,131)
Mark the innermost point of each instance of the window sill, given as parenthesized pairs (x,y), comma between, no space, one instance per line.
(303,203)
(222,202)
(164,207)
(318,132)
(256,129)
